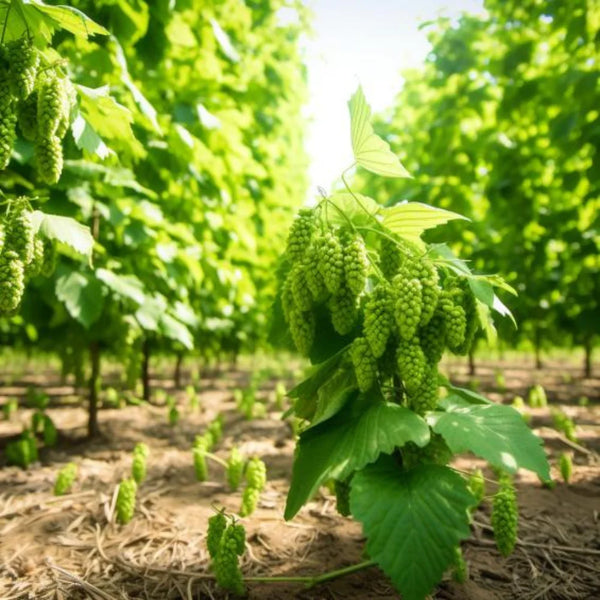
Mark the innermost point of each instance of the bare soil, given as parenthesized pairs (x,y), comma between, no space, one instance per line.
(70,547)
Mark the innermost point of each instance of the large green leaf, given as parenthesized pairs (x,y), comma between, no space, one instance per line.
(410,219)
(65,230)
(494,432)
(413,520)
(345,443)
(69,18)
(82,295)
(370,151)
(124,286)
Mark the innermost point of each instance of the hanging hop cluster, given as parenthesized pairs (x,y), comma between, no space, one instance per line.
(256,479)
(202,445)
(235,468)
(39,100)
(65,479)
(126,501)
(505,515)
(139,462)
(409,312)
(22,254)
(226,542)
(325,268)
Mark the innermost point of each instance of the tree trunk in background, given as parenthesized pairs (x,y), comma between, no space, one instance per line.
(588,357)
(177,375)
(146,369)
(538,350)
(472,362)
(93,429)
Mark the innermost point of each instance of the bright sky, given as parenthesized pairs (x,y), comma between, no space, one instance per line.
(361,41)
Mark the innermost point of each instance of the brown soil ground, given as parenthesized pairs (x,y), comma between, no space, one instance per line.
(70,547)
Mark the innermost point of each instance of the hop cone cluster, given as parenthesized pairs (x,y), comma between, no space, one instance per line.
(364,362)
(226,561)
(216,526)
(126,501)
(505,515)
(139,462)
(235,468)
(379,320)
(65,479)
(256,479)
(39,101)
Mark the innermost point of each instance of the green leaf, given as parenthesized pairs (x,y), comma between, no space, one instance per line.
(176,330)
(494,432)
(65,230)
(503,310)
(370,151)
(125,286)
(224,42)
(410,219)
(412,520)
(333,395)
(69,18)
(87,139)
(345,443)
(482,290)
(82,296)
(442,254)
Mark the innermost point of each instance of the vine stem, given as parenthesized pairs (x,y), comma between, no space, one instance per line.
(216,459)
(469,474)
(315,580)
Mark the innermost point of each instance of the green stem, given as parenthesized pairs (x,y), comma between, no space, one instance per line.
(351,192)
(216,459)
(315,580)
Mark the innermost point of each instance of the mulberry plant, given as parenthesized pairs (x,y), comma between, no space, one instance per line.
(375,420)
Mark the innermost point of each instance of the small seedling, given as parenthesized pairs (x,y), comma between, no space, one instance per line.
(139,465)
(65,479)
(537,397)
(566,467)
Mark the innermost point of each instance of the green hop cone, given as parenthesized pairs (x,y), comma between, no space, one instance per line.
(287,299)
(126,501)
(469,305)
(389,258)
(427,275)
(65,479)
(364,363)
(235,469)
(12,281)
(50,259)
(436,452)
(432,338)
(356,265)
(8,134)
(250,499)
(24,61)
(226,564)
(505,515)
(300,235)
(216,527)
(27,117)
(342,306)
(314,279)
(426,396)
(331,262)
(379,319)
(455,320)
(302,294)
(342,496)
(566,467)
(199,454)
(302,327)
(37,262)
(460,570)
(139,462)
(19,234)
(49,159)
(408,304)
(256,474)
(52,107)
(7,99)
(412,364)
